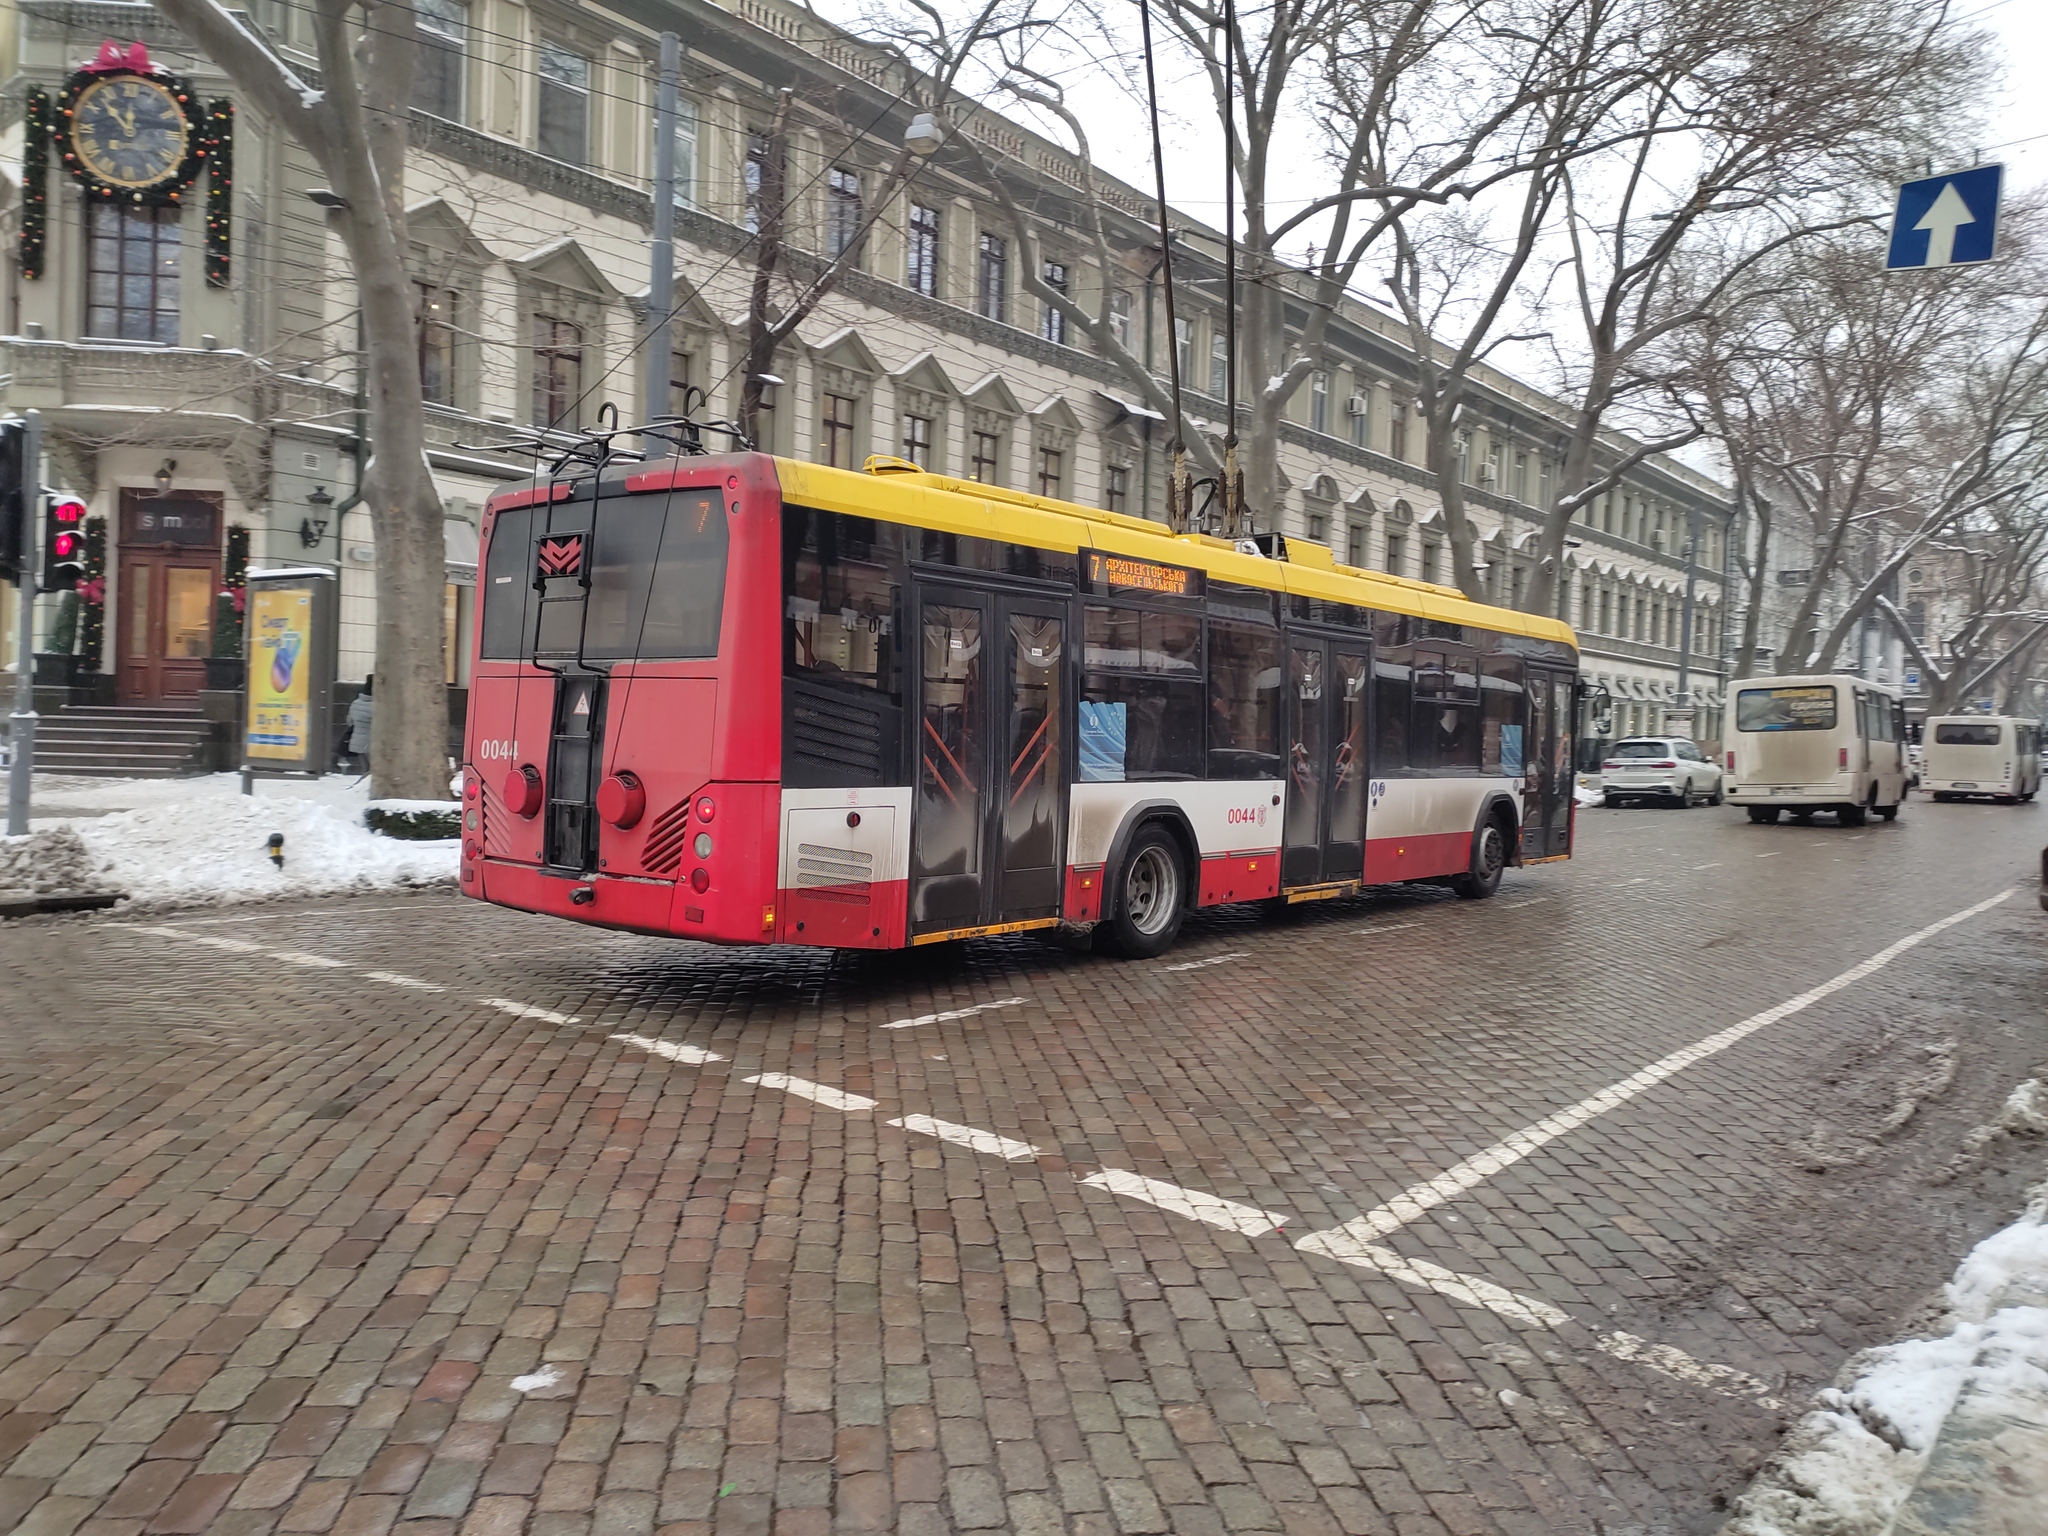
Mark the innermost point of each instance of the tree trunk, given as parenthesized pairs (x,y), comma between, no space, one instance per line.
(1753,608)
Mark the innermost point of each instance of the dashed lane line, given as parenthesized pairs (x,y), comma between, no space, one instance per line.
(528,1011)
(1382,928)
(817,1093)
(1196,965)
(692,1055)
(1194,1204)
(968,1136)
(953,1013)
(1418,1199)
(393,979)
(311,962)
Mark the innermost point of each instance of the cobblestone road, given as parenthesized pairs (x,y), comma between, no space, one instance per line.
(402,1213)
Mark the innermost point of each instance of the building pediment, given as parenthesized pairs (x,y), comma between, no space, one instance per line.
(433,223)
(565,264)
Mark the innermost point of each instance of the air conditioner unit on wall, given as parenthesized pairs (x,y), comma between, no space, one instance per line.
(1357,405)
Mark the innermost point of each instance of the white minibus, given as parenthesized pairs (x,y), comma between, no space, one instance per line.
(1994,755)
(1825,743)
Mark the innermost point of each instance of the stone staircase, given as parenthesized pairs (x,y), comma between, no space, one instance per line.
(123,741)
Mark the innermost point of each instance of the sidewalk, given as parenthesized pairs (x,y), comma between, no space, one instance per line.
(164,842)
(1945,1434)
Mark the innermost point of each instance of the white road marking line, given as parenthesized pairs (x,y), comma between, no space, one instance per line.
(817,1093)
(1770,855)
(393,979)
(1197,1205)
(1382,928)
(952,1013)
(1196,965)
(212,941)
(286,917)
(1418,1199)
(1527,901)
(968,1136)
(1529,1312)
(695,1055)
(297,957)
(528,1011)
(1715,865)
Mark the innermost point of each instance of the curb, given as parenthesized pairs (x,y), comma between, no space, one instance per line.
(32,903)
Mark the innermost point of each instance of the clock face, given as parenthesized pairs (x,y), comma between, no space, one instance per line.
(129,132)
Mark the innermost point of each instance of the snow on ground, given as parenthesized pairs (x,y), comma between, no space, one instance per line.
(181,841)
(1848,1466)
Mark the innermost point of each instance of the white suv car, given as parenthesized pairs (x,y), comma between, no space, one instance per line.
(1667,768)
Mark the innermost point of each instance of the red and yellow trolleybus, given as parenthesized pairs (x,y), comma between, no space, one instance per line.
(753,701)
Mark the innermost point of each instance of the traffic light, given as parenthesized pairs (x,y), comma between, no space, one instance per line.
(13,499)
(63,542)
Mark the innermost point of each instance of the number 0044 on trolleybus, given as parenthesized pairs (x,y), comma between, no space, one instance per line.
(753,701)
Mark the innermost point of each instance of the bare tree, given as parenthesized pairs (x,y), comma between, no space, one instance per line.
(2000,620)
(355,126)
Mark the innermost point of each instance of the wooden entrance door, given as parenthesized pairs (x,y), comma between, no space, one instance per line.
(168,575)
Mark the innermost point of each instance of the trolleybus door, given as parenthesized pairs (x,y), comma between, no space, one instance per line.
(1547,813)
(992,710)
(1327,761)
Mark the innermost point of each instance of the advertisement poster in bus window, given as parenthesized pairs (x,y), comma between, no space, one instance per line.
(1102,743)
(280,665)
(1785,709)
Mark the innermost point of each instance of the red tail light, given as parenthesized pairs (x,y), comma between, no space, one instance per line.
(1842,758)
(1731,762)
(1667,763)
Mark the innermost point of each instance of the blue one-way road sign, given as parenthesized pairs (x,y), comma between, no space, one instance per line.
(1946,221)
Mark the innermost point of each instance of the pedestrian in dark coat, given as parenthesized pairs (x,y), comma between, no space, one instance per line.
(361,710)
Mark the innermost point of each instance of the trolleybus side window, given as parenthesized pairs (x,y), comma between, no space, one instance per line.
(1142,693)
(508,579)
(1390,696)
(1443,732)
(1503,715)
(840,597)
(1244,701)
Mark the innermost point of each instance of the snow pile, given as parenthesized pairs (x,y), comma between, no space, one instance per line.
(202,840)
(1848,1466)
(44,862)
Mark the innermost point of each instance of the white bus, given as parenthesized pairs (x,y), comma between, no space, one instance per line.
(1825,743)
(1995,755)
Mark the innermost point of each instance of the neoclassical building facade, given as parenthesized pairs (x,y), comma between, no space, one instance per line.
(529,198)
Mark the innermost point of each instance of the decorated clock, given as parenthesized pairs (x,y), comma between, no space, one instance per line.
(130,131)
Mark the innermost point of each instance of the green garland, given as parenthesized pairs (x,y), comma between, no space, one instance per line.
(35,183)
(92,596)
(228,604)
(220,135)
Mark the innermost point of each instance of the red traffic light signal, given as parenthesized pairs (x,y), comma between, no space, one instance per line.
(63,543)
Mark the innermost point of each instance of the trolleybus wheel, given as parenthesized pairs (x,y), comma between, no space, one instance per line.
(1489,858)
(1763,815)
(1149,897)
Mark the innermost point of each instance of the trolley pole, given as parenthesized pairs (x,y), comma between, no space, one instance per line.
(661,279)
(24,718)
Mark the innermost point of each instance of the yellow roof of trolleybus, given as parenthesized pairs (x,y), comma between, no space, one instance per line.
(896,491)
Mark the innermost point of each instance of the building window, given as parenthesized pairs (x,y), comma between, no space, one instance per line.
(1606,613)
(1116,488)
(1319,402)
(1318,528)
(1184,349)
(1050,464)
(1397,433)
(987,463)
(1464,450)
(564,105)
(1056,319)
(682,373)
(1916,618)
(1120,319)
(1515,587)
(1543,483)
(557,371)
(1430,555)
(835,425)
(1219,361)
(991,295)
(132,261)
(917,440)
(754,176)
(921,266)
(686,157)
(1354,545)
(1361,418)
(443,46)
(842,210)
(1522,477)
(1493,465)
(437,342)
(1396,554)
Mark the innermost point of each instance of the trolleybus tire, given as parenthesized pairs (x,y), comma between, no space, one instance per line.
(1489,858)
(1763,815)
(1147,899)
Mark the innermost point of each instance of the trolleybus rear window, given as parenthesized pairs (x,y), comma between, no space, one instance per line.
(657,581)
(1785,709)
(1957,734)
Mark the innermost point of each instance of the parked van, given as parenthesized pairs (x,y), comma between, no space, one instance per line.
(1825,743)
(1995,755)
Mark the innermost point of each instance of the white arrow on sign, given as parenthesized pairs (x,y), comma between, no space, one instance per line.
(1940,222)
